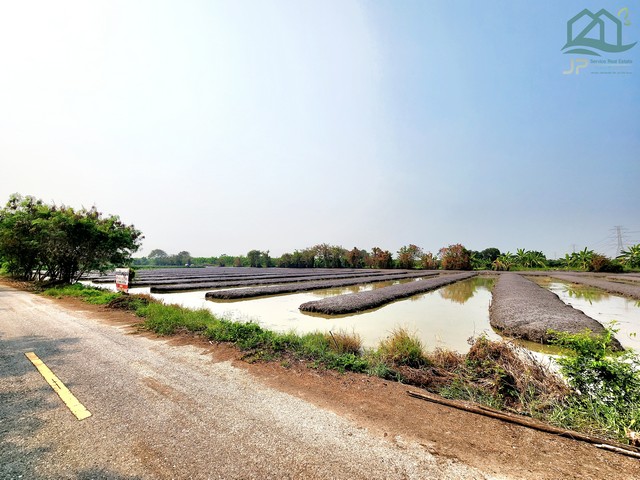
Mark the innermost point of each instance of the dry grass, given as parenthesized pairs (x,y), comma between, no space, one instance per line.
(445,359)
(345,342)
(513,375)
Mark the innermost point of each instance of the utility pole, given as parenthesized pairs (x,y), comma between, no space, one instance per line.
(619,235)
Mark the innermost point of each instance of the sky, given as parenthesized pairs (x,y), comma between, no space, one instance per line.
(218,127)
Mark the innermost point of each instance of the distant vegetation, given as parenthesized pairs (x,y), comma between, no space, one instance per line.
(452,257)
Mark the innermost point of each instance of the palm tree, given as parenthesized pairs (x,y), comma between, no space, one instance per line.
(504,262)
(536,259)
(521,257)
(583,258)
(631,256)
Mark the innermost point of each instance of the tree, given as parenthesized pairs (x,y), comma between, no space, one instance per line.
(285,261)
(455,257)
(582,259)
(408,256)
(254,258)
(157,253)
(265,259)
(489,254)
(381,258)
(530,258)
(182,258)
(40,241)
(356,258)
(429,261)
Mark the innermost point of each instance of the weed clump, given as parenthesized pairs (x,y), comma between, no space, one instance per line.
(402,348)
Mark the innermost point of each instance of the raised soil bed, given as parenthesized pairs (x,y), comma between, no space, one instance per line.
(522,309)
(357,302)
(308,286)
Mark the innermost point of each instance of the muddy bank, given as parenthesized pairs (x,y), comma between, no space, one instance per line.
(357,302)
(522,309)
(617,287)
(308,286)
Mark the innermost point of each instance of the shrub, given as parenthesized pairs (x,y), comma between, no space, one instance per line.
(601,263)
(606,387)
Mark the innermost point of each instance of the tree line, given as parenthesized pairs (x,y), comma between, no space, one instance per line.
(452,257)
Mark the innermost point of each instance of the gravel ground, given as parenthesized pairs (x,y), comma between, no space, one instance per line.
(522,309)
(357,302)
(164,411)
(625,289)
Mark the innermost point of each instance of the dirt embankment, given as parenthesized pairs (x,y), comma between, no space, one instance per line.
(357,302)
(522,309)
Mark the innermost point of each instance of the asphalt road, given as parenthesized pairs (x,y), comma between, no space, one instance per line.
(164,411)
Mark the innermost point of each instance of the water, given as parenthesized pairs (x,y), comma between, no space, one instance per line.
(446,317)
(601,306)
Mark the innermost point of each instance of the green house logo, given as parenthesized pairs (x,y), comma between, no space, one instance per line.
(592,38)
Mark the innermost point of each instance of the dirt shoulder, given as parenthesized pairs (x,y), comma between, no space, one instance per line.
(384,408)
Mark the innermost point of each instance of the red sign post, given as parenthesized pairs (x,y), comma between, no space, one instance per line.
(122,279)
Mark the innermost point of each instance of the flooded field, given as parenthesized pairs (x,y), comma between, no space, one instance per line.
(601,306)
(446,317)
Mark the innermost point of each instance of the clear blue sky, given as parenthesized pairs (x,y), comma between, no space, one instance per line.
(219,127)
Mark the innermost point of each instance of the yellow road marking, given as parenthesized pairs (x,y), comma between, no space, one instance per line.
(63,392)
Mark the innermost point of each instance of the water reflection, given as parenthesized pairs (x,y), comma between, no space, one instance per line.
(586,293)
(462,291)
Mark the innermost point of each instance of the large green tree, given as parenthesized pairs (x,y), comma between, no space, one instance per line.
(59,244)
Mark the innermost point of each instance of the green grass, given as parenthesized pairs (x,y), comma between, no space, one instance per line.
(96,296)
(492,373)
